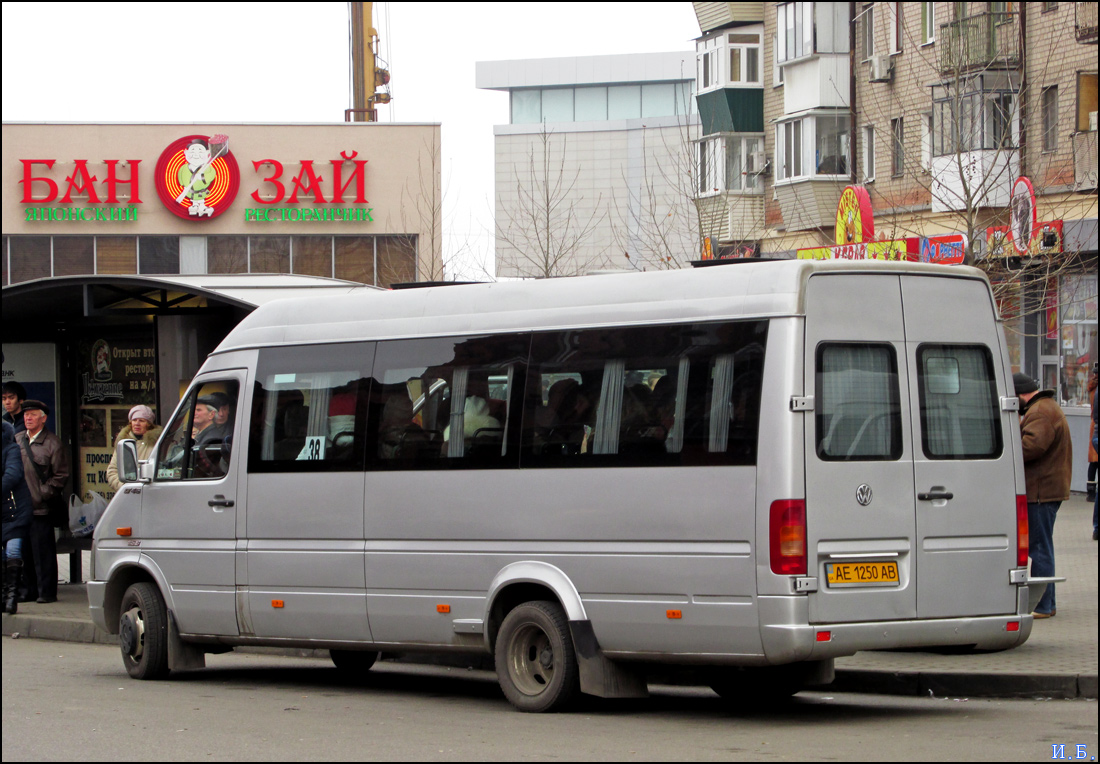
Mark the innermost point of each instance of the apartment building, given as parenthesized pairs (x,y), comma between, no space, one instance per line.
(936,109)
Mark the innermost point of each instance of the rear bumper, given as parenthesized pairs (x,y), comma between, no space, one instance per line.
(792,640)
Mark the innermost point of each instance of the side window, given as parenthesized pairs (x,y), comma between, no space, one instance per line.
(672,395)
(959,412)
(858,416)
(446,402)
(309,408)
(199,443)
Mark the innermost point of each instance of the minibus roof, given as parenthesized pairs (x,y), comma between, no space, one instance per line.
(742,290)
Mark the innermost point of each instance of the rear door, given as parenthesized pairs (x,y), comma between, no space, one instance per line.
(963,463)
(860,497)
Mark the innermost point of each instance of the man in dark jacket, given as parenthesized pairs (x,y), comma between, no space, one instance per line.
(45,468)
(17,518)
(1048,466)
(14,395)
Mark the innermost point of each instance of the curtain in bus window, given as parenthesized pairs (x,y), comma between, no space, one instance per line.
(309,408)
(857,412)
(960,416)
(644,396)
(445,402)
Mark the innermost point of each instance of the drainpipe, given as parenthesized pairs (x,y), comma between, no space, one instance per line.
(852,91)
(1024,95)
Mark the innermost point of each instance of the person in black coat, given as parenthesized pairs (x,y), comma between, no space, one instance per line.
(18,510)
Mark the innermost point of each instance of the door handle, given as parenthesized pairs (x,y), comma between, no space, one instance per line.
(220,501)
(934,495)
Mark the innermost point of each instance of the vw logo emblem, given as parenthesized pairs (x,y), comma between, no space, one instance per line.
(863,495)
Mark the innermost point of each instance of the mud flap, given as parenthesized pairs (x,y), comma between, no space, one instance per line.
(599,676)
(181,655)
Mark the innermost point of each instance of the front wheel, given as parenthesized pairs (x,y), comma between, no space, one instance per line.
(143,632)
(535,660)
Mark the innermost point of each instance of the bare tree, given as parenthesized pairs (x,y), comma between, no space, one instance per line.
(548,225)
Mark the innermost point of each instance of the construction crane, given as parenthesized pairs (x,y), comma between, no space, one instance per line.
(367,76)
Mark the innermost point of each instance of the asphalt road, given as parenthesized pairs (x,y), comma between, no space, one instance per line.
(75,702)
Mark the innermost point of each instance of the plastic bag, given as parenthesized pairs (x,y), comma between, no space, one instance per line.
(83,516)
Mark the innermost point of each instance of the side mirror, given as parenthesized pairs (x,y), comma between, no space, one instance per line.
(126,456)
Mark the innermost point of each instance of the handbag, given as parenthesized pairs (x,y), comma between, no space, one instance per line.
(56,506)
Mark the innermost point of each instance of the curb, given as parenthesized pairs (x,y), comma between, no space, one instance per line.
(905,683)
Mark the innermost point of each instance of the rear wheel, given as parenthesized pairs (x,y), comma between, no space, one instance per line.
(353,661)
(143,632)
(535,660)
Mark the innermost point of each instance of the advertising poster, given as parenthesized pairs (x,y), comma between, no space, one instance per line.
(116,374)
(34,365)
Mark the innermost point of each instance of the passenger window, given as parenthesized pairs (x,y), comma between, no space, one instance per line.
(959,412)
(445,402)
(681,394)
(309,408)
(858,416)
(199,443)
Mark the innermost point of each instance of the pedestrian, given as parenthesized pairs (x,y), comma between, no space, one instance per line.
(1095,447)
(144,429)
(1048,466)
(13,397)
(45,468)
(1090,486)
(17,518)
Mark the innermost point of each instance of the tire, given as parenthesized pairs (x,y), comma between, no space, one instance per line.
(143,632)
(353,661)
(751,687)
(535,660)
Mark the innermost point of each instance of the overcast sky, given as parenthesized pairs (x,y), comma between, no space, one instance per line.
(105,62)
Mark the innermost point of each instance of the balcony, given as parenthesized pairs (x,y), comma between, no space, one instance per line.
(982,41)
(1084,21)
(1084,161)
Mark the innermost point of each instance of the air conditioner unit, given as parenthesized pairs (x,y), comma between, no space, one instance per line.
(757,163)
(882,68)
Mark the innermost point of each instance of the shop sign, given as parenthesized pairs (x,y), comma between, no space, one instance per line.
(1001,241)
(944,250)
(197,178)
(1024,216)
(855,222)
(896,249)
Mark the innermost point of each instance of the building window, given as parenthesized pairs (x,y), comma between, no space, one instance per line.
(557,105)
(868,153)
(1050,118)
(868,31)
(795,30)
(624,102)
(826,134)
(788,143)
(927,23)
(894,18)
(729,163)
(526,107)
(729,59)
(897,162)
(926,142)
(977,114)
(158,254)
(1086,102)
(831,144)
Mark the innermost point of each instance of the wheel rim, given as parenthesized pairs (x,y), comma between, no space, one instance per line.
(531,660)
(132,633)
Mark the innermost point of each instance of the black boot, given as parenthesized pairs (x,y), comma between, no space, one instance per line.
(13,570)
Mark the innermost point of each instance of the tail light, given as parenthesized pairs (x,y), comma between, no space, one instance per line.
(1021,531)
(787,533)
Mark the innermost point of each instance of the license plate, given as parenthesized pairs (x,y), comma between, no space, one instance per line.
(841,574)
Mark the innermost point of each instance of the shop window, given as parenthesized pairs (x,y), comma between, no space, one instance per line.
(355,258)
(73,255)
(158,254)
(312,255)
(227,254)
(396,260)
(1078,339)
(30,258)
(116,254)
(269,254)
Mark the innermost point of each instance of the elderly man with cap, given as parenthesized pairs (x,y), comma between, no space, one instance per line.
(1048,465)
(46,468)
(144,429)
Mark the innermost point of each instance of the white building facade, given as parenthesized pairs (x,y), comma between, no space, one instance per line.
(594,169)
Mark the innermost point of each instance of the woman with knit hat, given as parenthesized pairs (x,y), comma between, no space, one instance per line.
(144,429)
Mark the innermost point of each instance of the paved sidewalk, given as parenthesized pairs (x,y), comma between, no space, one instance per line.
(1058,661)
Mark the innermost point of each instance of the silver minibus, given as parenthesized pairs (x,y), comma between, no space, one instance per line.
(743,471)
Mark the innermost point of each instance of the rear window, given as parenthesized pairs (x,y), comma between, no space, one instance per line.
(959,412)
(857,413)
